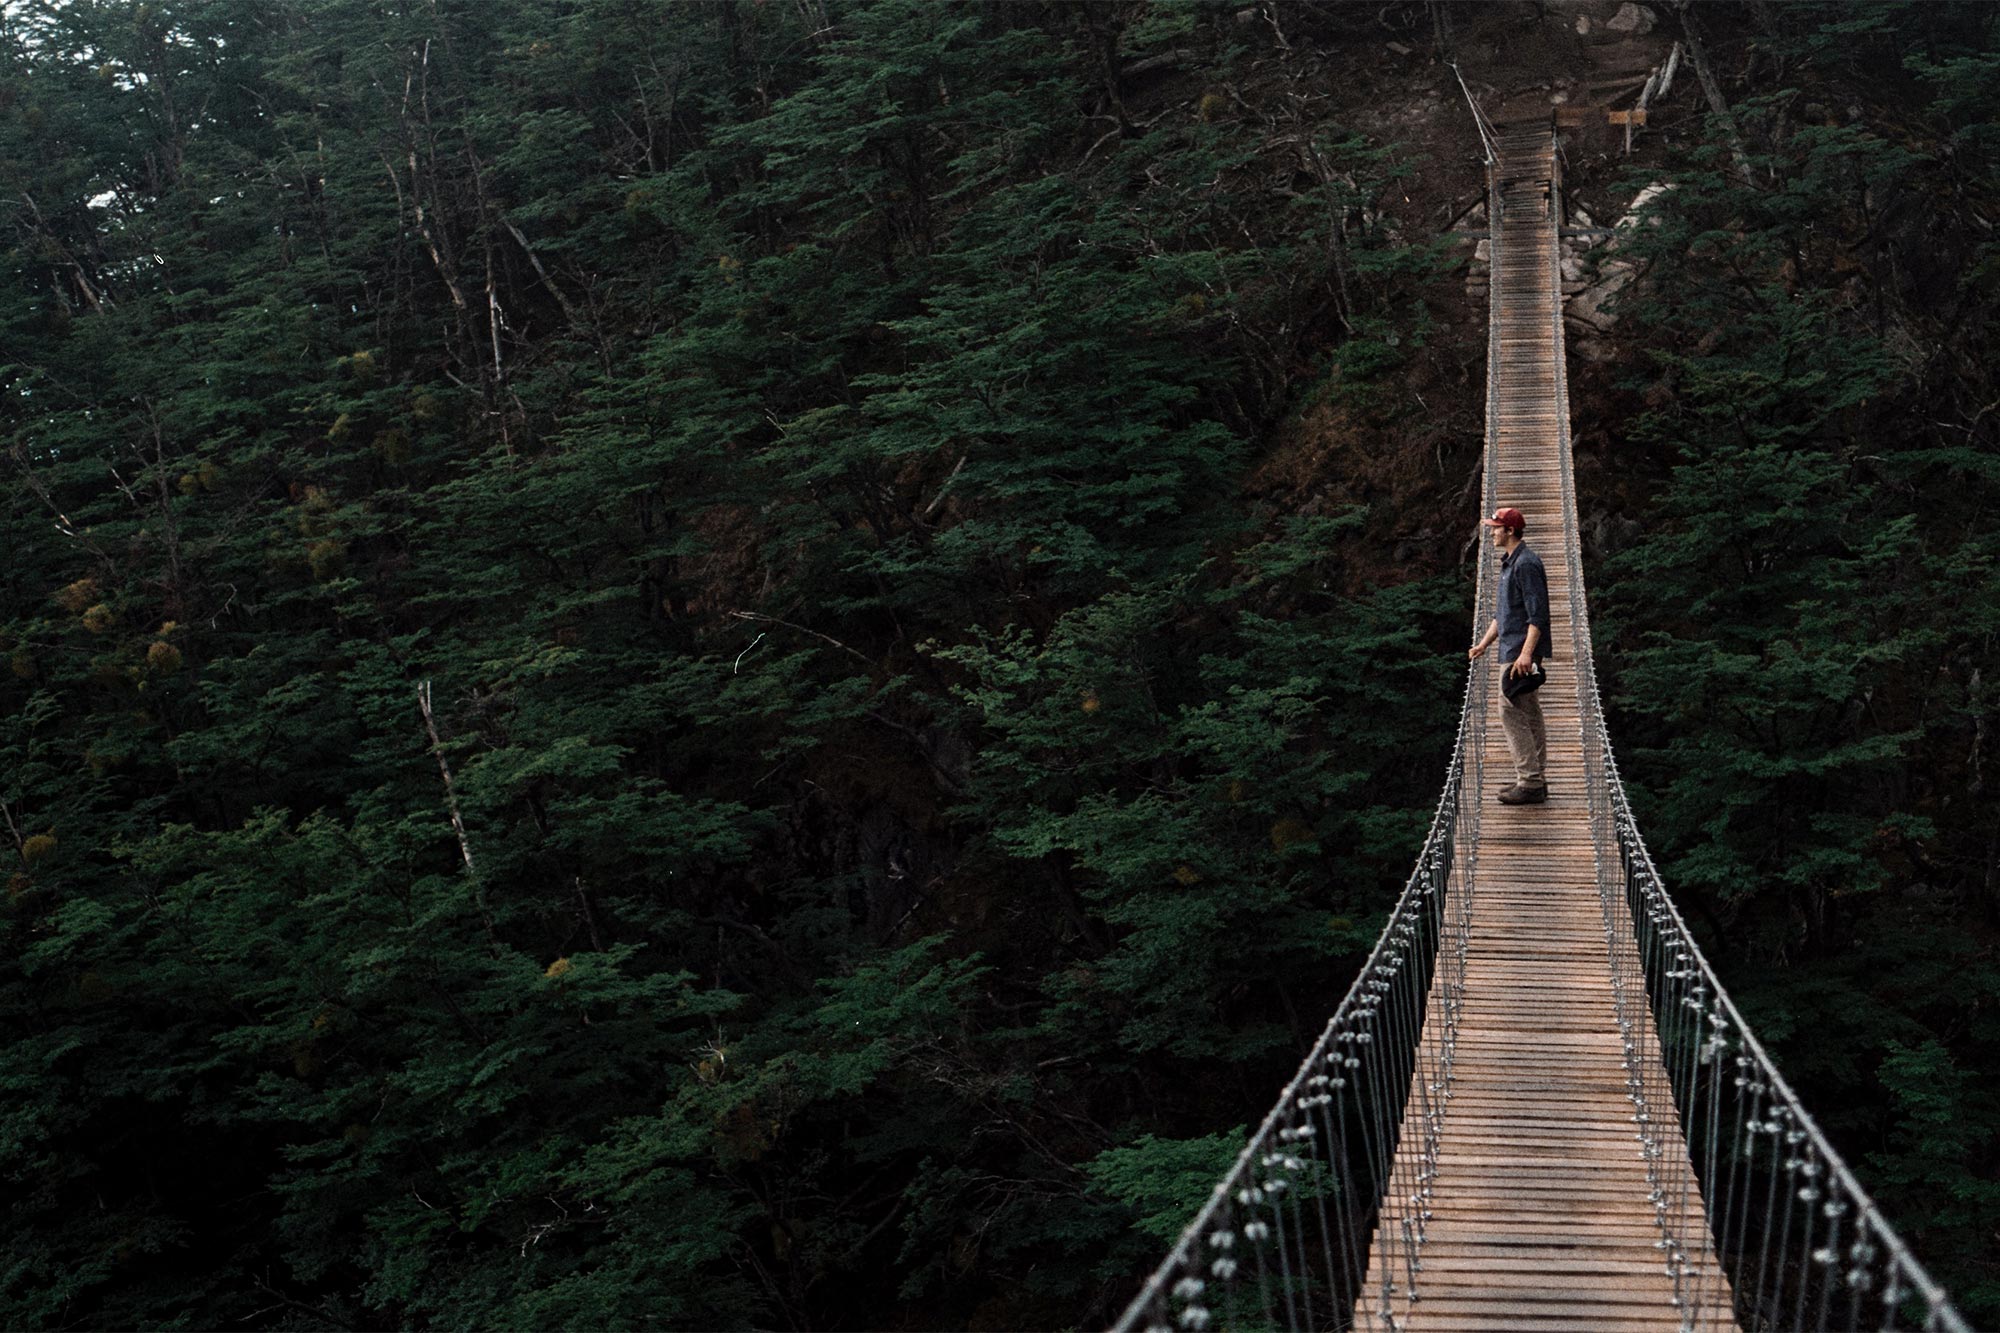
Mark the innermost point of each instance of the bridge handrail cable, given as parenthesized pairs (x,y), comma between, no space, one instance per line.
(1686,1000)
(1348,1087)
(1286,1236)
(1334,1129)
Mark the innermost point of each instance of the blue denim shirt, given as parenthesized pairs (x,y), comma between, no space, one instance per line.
(1523,601)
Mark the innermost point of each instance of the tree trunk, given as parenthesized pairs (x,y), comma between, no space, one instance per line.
(1713,91)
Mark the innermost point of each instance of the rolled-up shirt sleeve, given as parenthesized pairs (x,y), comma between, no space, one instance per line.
(1535,599)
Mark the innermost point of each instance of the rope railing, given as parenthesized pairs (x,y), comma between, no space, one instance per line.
(1761,1222)
(1323,1215)
(1320,1197)
(1487,139)
(1286,1236)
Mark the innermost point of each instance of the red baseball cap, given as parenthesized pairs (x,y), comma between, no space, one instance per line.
(1507,518)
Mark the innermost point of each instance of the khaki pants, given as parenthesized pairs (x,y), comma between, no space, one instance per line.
(1527,737)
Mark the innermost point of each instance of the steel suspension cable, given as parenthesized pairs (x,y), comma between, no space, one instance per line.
(1762,1223)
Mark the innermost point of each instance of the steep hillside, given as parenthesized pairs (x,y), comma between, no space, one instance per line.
(763,663)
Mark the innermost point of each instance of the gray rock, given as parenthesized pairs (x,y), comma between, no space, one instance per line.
(1587,307)
(1606,533)
(1634,212)
(1635,19)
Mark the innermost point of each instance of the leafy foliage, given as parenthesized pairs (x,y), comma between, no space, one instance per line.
(1168,1179)
(1800,641)
(557,558)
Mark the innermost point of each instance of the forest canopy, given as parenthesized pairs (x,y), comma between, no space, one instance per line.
(765,662)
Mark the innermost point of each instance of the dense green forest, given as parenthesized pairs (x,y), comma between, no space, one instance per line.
(765,662)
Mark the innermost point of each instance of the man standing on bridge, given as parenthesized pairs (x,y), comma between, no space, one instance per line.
(1521,624)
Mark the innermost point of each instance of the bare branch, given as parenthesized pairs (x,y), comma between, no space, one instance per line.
(457,820)
(823,638)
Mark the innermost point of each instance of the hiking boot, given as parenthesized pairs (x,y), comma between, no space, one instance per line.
(1524,795)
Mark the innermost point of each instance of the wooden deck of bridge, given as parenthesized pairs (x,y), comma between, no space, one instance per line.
(1542,1214)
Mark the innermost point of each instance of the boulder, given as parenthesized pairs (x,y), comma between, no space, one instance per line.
(1639,201)
(1594,350)
(1635,19)
(1586,308)
(1605,533)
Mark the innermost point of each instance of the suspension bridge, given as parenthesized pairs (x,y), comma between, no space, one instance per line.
(1537,1108)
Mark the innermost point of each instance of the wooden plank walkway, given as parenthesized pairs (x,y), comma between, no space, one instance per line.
(1542,1213)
